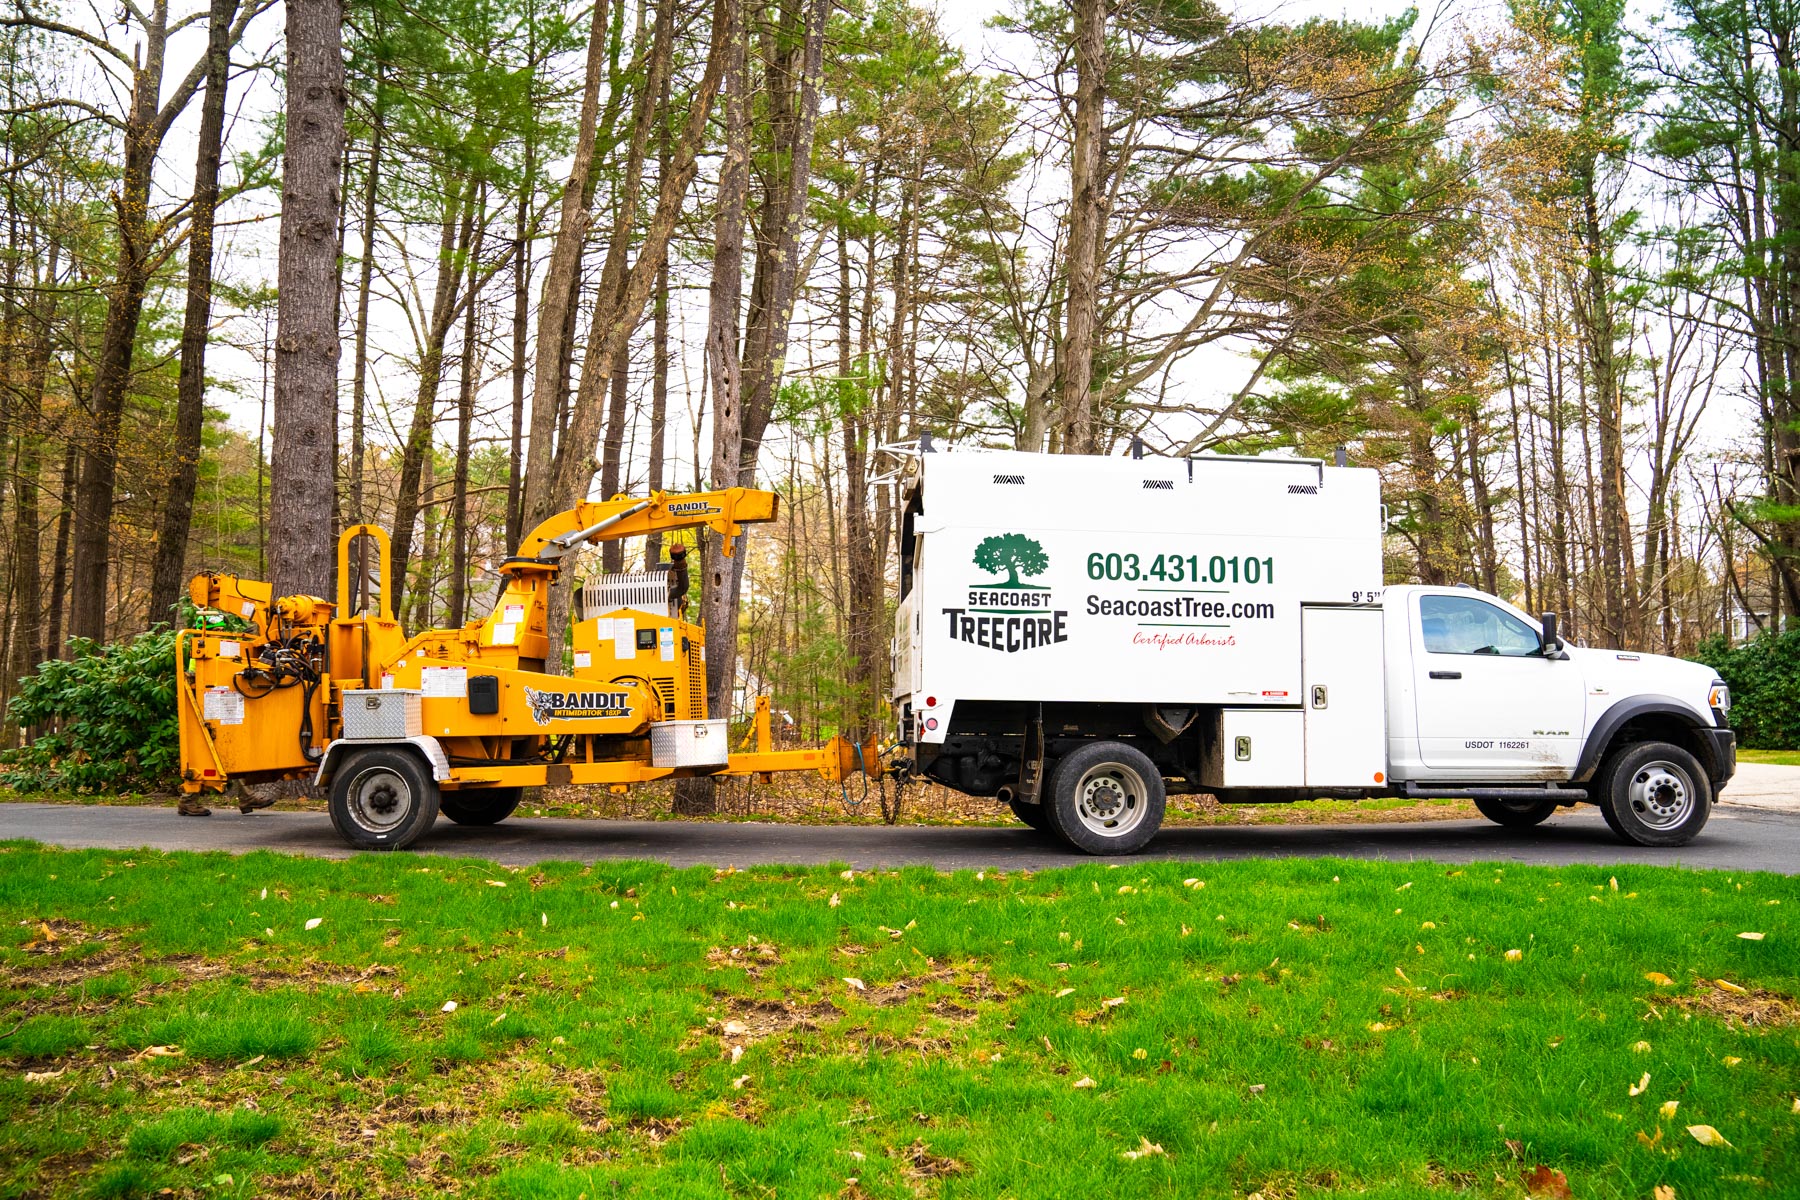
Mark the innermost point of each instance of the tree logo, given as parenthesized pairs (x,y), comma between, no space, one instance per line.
(1006,614)
(1015,554)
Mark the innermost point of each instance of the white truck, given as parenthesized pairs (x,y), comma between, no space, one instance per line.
(1078,636)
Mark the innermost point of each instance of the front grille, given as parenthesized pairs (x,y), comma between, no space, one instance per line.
(665,691)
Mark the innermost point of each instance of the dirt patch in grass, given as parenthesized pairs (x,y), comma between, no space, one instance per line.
(918,1162)
(1756,1008)
(750,1021)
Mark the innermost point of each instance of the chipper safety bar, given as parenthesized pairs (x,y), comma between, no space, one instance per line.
(462,720)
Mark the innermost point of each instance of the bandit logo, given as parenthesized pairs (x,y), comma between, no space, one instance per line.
(1009,614)
(563,706)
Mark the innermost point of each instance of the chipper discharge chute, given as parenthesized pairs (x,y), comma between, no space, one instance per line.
(462,720)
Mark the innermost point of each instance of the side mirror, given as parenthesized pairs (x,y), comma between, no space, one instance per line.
(1550,645)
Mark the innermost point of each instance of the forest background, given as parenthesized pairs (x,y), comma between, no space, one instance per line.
(1539,263)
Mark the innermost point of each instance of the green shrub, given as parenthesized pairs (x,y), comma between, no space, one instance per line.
(1764,676)
(109,716)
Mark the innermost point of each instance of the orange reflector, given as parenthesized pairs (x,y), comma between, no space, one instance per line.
(1380,778)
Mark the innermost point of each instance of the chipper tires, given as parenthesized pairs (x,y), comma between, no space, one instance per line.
(481,806)
(383,798)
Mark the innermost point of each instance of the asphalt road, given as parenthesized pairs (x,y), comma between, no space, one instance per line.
(1736,838)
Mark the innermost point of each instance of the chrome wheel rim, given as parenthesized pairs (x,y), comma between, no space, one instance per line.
(380,800)
(1110,799)
(1661,795)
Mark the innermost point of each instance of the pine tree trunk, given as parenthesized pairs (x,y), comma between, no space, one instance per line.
(556,316)
(1084,228)
(303,473)
(28,415)
(92,547)
(168,570)
(454,234)
(465,419)
(718,598)
(359,386)
(59,556)
(521,331)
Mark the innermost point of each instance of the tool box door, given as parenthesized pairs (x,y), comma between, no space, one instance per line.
(1344,697)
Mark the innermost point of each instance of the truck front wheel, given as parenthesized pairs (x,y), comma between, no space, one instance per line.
(382,798)
(1655,794)
(1516,814)
(1106,798)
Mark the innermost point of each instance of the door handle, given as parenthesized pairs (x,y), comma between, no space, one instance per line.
(1446,674)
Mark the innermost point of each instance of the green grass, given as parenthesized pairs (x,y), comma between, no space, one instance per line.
(1295,1028)
(1779,758)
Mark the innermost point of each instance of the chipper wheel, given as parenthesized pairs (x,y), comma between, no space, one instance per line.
(481,806)
(383,798)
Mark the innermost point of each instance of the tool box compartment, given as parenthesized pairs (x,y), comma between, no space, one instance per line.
(383,713)
(689,744)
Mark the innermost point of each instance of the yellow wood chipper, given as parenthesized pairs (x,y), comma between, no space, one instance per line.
(461,721)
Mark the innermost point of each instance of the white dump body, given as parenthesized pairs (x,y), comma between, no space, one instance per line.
(1117,580)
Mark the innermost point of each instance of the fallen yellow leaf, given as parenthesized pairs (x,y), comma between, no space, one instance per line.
(1379,1027)
(1065,992)
(1659,979)
(1140,1054)
(834,902)
(1706,1135)
(740,1081)
(856,983)
(1114,1002)
(1668,1109)
(1514,955)
(43,1076)
(1663,1192)
(1146,1147)
(1731,1060)
(1084,1082)
(1642,1084)
(1725,985)
(1640,1048)
(1751,937)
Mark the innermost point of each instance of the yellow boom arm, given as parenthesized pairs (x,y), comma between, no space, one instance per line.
(621,517)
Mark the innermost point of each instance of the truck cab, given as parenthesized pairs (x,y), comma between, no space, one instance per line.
(1078,637)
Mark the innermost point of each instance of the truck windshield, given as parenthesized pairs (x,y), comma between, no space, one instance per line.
(1465,625)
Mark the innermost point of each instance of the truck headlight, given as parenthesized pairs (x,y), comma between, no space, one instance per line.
(1720,697)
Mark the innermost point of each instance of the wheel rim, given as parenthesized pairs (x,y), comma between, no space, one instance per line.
(1661,795)
(1110,799)
(380,800)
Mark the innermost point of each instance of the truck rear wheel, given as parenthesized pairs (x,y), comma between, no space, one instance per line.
(1035,815)
(481,806)
(1655,794)
(382,798)
(1106,798)
(1516,814)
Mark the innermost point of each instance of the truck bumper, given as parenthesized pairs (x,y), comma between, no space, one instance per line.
(1723,764)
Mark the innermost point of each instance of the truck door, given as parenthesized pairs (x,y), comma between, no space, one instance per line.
(1490,706)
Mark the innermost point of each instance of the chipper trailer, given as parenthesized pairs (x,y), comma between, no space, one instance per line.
(1079,636)
(460,721)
